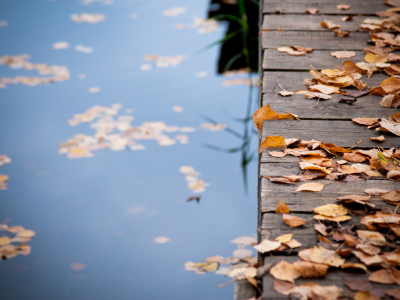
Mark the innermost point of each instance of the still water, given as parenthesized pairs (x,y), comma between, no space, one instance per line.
(99,215)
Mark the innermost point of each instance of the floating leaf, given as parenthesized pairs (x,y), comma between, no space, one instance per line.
(244,240)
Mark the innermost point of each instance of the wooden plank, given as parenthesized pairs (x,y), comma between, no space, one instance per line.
(325,7)
(275,60)
(333,277)
(293,81)
(365,107)
(303,202)
(318,40)
(341,133)
(272,226)
(309,22)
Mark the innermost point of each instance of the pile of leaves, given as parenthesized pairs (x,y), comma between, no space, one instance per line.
(58,73)
(22,236)
(4,159)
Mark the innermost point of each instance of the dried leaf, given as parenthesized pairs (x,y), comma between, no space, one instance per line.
(277,154)
(346,18)
(282,208)
(293,178)
(381,276)
(267,246)
(311,95)
(371,237)
(341,33)
(273,142)
(343,6)
(378,139)
(331,210)
(310,270)
(369,249)
(279,180)
(285,93)
(310,187)
(322,229)
(262,114)
(375,192)
(325,89)
(392,197)
(395,129)
(333,219)
(391,84)
(350,240)
(395,293)
(293,244)
(356,94)
(244,240)
(354,266)
(328,257)
(293,221)
(329,24)
(365,121)
(308,166)
(354,157)
(343,54)
(312,11)
(367,259)
(285,271)
(365,295)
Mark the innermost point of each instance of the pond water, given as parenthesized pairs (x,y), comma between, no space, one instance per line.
(96,217)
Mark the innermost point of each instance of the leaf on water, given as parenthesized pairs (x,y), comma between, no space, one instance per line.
(78,266)
(4,240)
(381,276)
(285,271)
(26,233)
(329,24)
(242,253)
(245,240)
(282,208)
(161,240)
(342,33)
(310,187)
(324,256)
(343,54)
(331,210)
(378,139)
(273,142)
(365,121)
(343,6)
(293,221)
(267,246)
(312,11)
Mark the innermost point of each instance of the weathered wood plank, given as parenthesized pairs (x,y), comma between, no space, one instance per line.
(325,7)
(300,202)
(309,23)
(275,60)
(293,81)
(334,277)
(318,40)
(365,107)
(273,226)
(341,133)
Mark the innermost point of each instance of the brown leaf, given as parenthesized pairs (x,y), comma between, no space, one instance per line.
(354,197)
(365,121)
(393,175)
(341,33)
(343,6)
(388,100)
(358,285)
(311,95)
(350,240)
(282,208)
(310,270)
(346,18)
(391,84)
(392,197)
(282,286)
(293,178)
(381,276)
(395,129)
(303,49)
(324,256)
(279,180)
(312,11)
(273,142)
(393,257)
(367,259)
(310,187)
(351,67)
(333,149)
(293,244)
(285,271)
(354,157)
(371,237)
(369,249)
(293,221)
(329,24)
(365,295)
(333,219)
(377,91)
(396,117)
(395,276)
(277,154)
(394,293)
(356,94)
(308,166)
(321,228)
(375,192)
(354,266)
(378,139)
(267,246)
(343,54)
(312,290)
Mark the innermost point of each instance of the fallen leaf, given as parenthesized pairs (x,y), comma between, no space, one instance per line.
(378,139)
(277,154)
(285,93)
(303,49)
(396,117)
(26,233)
(291,51)
(293,244)
(395,293)
(365,295)
(161,240)
(279,180)
(312,290)
(241,253)
(346,18)
(393,257)
(371,237)
(369,249)
(331,210)
(324,256)
(391,84)
(354,266)
(310,187)
(333,219)
(242,273)
(348,101)
(329,24)
(350,240)
(282,208)
(267,246)
(312,11)
(392,197)
(358,285)
(284,238)
(365,121)
(308,166)
(325,89)
(273,142)
(78,266)
(343,6)
(381,276)
(333,149)
(367,259)
(351,67)
(285,271)
(310,270)
(311,95)
(393,175)
(375,192)
(395,129)
(354,197)
(262,114)
(354,157)
(293,178)
(293,221)
(343,54)
(322,229)
(356,94)
(341,33)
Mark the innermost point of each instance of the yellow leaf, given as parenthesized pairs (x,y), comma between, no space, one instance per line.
(284,238)
(310,187)
(331,210)
(325,256)
(4,240)
(282,208)
(273,142)
(285,271)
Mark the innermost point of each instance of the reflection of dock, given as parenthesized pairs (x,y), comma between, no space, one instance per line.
(329,122)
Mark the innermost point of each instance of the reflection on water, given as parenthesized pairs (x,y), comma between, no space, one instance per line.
(4,159)
(118,223)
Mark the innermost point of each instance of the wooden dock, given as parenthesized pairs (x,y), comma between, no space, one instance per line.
(286,23)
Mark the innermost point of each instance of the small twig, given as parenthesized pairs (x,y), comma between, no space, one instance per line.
(389,154)
(342,48)
(225,284)
(281,87)
(355,144)
(316,104)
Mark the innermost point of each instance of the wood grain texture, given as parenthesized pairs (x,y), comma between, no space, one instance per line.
(318,40)
(293,81)
(341,133)
(325,7)
(305,202)
(275,60)
(333,277)
(310,22)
